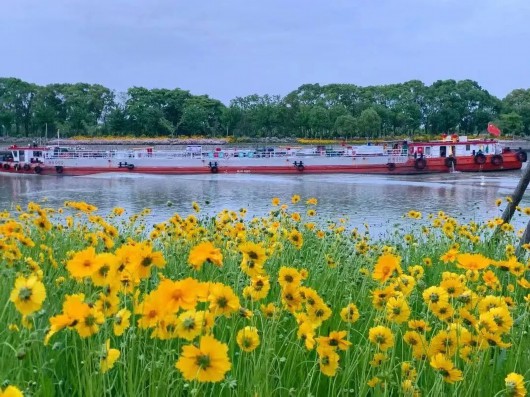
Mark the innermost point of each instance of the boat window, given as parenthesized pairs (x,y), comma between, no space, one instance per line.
(468,148)
(37,153)
(6,156)
(427,150)
(443,151)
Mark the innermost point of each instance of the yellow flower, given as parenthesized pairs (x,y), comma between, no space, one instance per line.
(515,385)
(335,339)
(350,313)
(445,368)
(223,300)
(295,199)
(83,263)
(258,289)
(328,360)
(28,294)
(11,391)
(205,252)
(378,359)
(312,201)
(109,357)
(382,337)
(207,363)
(295,237)
(253,252)
(269,311)
(449,256)
(248,339)
(435,295)
(121,321)
(289,276)
(275,201)
(397,310)
(419,325)
(472,261)
(181,294)
(190,324)
(373,382)
(90,322)
(385,267)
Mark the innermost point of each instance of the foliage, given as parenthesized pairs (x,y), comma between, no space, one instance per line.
(311,111)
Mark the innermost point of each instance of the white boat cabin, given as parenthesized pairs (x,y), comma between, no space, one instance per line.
(21,154)
(454,146)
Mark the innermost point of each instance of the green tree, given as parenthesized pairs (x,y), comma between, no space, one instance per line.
(345,125)
(369,123)
(518,101)
(511,123)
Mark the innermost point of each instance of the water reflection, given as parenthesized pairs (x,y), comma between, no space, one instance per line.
(376,200)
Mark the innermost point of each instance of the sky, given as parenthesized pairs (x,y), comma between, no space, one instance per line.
(231,48)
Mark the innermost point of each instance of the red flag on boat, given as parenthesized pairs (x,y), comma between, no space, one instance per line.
(493,129)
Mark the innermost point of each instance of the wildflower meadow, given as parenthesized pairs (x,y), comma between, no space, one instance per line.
(288,304)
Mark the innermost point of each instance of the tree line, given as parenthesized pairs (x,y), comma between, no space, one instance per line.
(310,111)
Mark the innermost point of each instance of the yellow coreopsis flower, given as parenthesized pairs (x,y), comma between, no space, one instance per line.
(385,267)
(223,300)
(248,339)
(515,385)
(328,360)
(295,237)
(350,313)
(472,261)
(109,357)
(446,368)
(83,263)
(253,252)
(205,252)
(382,337)
(397,310)
(28,294)
(11,391)
(289,276)
(335,339)
(121,321)
(207,363)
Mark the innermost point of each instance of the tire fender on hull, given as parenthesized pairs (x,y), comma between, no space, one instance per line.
(420,163)
(497,160)
(480,158)
(450,162)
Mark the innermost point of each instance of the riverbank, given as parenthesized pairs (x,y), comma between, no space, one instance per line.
(524,144)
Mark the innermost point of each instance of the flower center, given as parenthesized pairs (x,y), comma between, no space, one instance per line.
(203,361)
(24,294)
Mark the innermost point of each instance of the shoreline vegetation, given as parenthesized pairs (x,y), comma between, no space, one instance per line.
(311,111)
(285,304)
(230,141)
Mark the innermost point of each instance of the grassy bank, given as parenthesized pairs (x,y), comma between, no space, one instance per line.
(289,304)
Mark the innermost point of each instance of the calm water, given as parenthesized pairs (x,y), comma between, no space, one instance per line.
(376,200)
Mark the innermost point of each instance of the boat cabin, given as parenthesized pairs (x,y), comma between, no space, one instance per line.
(454,146)
(20,154)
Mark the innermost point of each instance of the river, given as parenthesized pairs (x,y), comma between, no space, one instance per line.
(379,201)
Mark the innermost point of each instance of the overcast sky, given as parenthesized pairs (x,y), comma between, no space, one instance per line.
(229,48)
